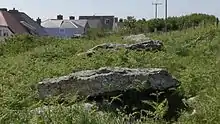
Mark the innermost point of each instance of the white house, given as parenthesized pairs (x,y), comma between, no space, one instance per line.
(65,28)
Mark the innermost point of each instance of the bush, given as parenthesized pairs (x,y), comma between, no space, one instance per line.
(133,26)
(94,33)
(23,43)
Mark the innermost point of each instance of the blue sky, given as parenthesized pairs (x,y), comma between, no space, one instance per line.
(139,8)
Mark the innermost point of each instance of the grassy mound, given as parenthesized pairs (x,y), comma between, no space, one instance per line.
(191,55)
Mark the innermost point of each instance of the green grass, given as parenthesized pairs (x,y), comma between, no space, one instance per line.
(192,55)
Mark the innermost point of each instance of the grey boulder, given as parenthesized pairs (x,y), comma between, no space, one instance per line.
(136,38)
(106,79)
(147,45)
(109,46)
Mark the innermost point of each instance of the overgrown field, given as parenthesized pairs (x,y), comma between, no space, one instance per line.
(192,55)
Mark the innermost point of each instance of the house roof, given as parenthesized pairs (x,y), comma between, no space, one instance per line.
(28,22)
(51,23)
(2,20)
(81,23)
(54,23)
(95,17)
(7,20)
(68,24)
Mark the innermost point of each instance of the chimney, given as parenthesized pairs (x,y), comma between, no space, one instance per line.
(116,20)
(38,21)
(13,10)
(59,17)
(3,9)
(72,18)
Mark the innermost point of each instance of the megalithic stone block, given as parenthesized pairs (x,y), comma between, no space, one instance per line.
(106,79)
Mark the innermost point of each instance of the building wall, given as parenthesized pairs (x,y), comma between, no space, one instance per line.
(64,33)
(86,28)
(4,32)
(115,26)
(103,20)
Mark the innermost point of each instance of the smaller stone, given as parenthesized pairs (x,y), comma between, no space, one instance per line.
(136,38)
(108,46)
(146,45)
(88,106)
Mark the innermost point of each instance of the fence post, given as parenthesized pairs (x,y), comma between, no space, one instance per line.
(155,29)
(203,23)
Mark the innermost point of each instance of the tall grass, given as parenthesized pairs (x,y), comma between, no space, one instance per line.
(191,55)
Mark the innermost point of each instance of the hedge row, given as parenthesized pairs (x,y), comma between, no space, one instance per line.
(132,25)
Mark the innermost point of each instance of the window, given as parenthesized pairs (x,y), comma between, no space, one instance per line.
(5,34)
(62,30)
(107,21)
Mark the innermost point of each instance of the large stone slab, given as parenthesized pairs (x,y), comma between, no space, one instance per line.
(106,79)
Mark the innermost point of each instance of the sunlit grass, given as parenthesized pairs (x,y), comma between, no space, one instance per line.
(191,55)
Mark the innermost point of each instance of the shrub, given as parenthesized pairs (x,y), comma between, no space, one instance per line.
(133,26)
(94,33)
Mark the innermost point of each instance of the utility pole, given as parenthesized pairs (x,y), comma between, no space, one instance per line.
(166,9)
(156,6)
(166,15)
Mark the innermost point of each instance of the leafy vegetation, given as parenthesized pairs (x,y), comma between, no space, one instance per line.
(131,25)
(192,55)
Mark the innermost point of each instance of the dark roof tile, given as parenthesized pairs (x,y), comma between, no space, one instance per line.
(21,16)
(7,20)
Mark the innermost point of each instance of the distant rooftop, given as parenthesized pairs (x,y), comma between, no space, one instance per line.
(20,22)
(65,23)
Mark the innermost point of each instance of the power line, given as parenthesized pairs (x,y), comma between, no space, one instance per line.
(156,6)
